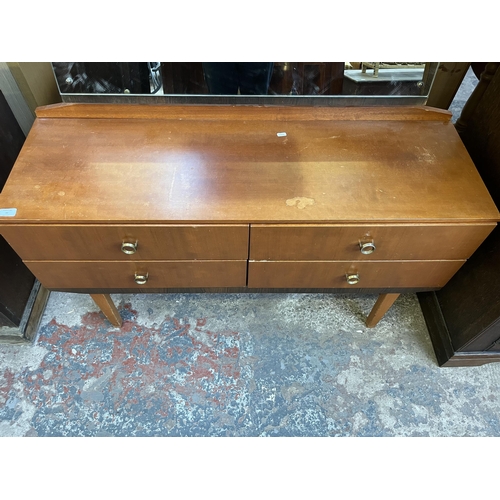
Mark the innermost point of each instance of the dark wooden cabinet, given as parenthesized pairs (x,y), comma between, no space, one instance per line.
(16,282)
(463,318)
(11,140)
(21,297)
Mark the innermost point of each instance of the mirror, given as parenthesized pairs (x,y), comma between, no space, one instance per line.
(278,82)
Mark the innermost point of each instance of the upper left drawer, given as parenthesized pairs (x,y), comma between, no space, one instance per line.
(128,242)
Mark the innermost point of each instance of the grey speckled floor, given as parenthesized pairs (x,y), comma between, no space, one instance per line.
(468,85)
(240,365)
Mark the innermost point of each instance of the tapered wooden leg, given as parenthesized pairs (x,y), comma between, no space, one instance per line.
(109,309)
(384,302)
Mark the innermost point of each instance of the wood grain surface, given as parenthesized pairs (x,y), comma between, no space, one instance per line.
(379,274)
(247,112)
(84,242)
(329,242)
(183,167)
(161,274)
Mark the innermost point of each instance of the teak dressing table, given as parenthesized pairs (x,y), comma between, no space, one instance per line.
(129,198)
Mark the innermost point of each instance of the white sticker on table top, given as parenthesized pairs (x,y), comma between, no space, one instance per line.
(281,134)
(8,212)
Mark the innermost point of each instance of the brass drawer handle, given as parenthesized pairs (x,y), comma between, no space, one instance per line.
(352,279)
(367,248)
(141,278)
(129,248)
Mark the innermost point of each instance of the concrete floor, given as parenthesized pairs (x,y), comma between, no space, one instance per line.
(239,365)
(468,85)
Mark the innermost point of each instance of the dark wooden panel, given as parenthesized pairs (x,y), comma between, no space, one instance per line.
(16,281)
(482,138)
(11,140)
(470,303)
(471,300)
(441,338)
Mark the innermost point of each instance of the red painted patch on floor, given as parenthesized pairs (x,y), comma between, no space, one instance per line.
(6,383)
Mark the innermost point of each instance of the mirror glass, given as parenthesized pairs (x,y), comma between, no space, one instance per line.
(290,80)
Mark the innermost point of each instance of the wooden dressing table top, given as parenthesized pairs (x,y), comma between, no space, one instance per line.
(112,198)
(86,163)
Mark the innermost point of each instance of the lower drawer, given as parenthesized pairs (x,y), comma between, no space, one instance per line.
(374,274)
(159,274)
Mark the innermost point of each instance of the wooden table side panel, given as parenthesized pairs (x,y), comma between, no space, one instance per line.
(84,242)
(320,274)
(324,242)
(167,274)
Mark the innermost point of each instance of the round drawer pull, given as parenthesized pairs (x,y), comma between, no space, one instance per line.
(367,248)
(129,248)
(141,278)
(352,279)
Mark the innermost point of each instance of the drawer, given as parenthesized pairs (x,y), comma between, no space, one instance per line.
(376,274)
(153,242)
(167,274)
(342,242)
